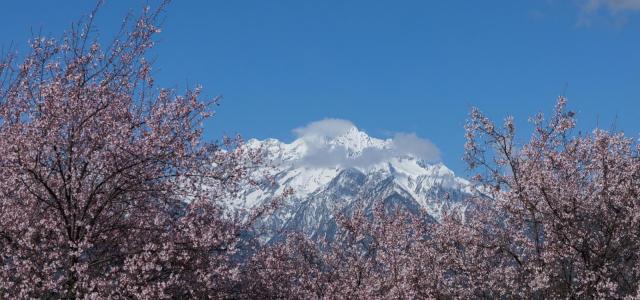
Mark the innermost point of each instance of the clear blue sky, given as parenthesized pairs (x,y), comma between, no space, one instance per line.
(388,66)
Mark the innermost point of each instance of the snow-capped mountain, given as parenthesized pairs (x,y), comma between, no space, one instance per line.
(339,170)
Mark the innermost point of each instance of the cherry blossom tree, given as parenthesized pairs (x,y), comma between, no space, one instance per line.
(560,215)
(106,188)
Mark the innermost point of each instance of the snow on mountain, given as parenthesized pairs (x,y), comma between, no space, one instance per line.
(347,167)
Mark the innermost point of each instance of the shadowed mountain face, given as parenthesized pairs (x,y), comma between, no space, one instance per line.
(342,172)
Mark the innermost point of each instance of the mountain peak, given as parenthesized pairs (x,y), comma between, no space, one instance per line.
(353,136)
(354,141)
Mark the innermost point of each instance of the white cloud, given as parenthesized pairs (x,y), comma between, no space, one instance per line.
(410,143)
(327,128)
(616,9)
(321,154)
(614,6)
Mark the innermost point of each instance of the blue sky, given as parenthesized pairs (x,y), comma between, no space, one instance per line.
(387,66)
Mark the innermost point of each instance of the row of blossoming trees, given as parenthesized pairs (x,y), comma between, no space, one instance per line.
(108,191)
